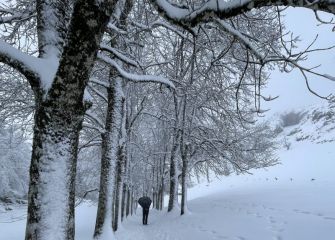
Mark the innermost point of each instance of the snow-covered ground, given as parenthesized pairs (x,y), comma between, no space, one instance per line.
(294,200)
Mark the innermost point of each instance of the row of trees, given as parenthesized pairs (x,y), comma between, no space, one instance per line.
(86,63)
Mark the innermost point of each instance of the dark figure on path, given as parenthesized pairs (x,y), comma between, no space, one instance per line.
(145,203)
(145,216)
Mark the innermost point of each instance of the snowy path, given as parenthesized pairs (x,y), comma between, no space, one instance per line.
(272,214)
(266,212)
(282,203)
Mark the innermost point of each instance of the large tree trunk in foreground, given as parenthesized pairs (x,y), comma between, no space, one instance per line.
(52,172)
(58,118)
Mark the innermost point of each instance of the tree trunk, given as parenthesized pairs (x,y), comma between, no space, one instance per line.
(128,201)
(110,142)
(123,201)
(52,171)
(184,186)
(132,202)
(118,186)
(161,198)
(173,197)
(121,163)
(58,119)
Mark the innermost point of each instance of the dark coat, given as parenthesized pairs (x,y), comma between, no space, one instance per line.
(145,202)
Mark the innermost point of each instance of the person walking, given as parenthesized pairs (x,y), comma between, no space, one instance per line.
(145,203)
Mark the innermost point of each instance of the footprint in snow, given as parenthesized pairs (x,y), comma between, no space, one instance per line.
(221,237)
(301,211)
(240,238)
(257,215)
(278,237)
(272,220)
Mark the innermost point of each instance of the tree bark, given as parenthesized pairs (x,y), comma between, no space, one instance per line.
(52,171)
(184,185)
(128,201)
(173,196)
(110,144)
(58,119)
(118,186)
(132,202)
(123,200)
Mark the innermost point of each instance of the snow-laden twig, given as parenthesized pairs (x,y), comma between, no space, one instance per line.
(95,118)
(90,126)
(15,16)
(119,55)
(135,77)
(159,23)
(227,28)
(97,92)
(114,28)
(101,83)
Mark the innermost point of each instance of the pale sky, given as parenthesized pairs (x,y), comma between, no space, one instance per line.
(291,87)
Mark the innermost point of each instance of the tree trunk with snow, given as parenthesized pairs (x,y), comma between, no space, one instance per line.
(129,199)
(110,143)
(121,164)
(59,114)
(173,195)
(52,172)
(106,209)
(184,184)
(118,190)
(123,200)
(132,202)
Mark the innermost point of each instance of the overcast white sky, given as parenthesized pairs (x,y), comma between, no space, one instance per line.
(291,86)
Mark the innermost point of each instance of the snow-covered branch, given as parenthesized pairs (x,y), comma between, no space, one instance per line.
(96,128)
(13,16)
(159,23)
(112,28)
(237,34)
(119,55)
(225,9)
(97,92)
(25,64)
(101,83)
(39,72)
(95,119)
(135,77)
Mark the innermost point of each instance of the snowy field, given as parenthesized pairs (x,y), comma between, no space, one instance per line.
(291,201)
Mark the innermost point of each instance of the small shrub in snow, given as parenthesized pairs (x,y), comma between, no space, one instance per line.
(302,138)
(279,129)
(317,116)
(287,144)
(294,131)
(291,118)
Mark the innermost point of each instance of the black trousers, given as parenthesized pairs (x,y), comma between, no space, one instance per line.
(145,216)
